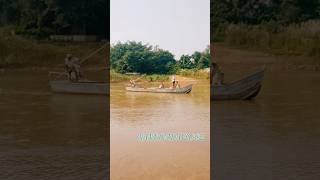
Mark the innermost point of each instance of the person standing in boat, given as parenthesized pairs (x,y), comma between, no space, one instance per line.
(73,70)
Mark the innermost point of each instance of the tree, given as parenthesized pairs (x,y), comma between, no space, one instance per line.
(44,17)
(205,59)
(196,57)
(163,61)
(142,58)
(185,62)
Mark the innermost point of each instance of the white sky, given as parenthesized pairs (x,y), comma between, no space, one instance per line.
(180,26)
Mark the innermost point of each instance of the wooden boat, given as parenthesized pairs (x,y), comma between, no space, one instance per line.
(81,87)
(243,89)
(186,89)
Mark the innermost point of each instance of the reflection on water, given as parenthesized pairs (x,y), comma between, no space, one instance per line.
(276,136)
(50,136)
(133,113)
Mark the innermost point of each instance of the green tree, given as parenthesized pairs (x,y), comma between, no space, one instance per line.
(137,57)
(205,59)
(185,62)
(41,18)
(196,57)
(163,61)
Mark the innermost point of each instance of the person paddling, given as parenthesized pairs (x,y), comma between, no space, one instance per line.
(133,82)
(161,85)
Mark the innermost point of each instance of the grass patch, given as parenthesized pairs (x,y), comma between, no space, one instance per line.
(194,73)
(117,77)
(156,78)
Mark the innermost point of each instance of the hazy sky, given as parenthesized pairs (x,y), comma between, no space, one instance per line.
(180,26)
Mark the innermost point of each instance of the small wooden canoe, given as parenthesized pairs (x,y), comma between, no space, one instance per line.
(186,89)
(81,87)
(243,89)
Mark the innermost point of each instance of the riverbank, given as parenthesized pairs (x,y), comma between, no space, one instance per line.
(246,60)
(19,52)
(182,74)
(297,39)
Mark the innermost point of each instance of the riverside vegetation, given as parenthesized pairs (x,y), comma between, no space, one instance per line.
(154,63)
(41,18)
(17,51)
(188,73)
(290,27)
(25,27)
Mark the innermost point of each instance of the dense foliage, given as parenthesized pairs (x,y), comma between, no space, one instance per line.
(146,59)
(258,11)
(198,60)
(275,13)
(44,17)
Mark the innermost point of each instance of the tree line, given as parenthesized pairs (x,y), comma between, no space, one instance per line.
(41,18)
(146,59)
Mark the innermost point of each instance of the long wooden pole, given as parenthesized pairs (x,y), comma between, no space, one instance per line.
(93,53)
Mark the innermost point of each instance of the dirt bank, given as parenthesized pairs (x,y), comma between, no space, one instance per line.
(21,52)
(233,59)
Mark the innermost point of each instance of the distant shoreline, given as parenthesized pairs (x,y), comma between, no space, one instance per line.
(20,52)
(244,59)
(117,77)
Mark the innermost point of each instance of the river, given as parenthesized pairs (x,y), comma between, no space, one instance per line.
(50,136)
(276,136)
(135,113)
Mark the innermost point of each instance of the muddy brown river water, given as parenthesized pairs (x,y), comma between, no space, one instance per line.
(133,113)
(276,136)
(50,136)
